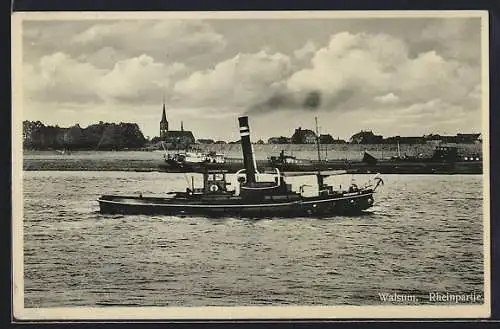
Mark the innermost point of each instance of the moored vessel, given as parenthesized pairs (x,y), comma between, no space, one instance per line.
(190,160)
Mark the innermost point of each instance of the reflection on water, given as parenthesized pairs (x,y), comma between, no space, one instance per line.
(423,235)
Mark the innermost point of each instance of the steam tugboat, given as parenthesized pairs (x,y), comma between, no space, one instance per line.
(253,197)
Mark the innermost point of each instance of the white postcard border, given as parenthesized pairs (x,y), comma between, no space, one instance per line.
(236,312)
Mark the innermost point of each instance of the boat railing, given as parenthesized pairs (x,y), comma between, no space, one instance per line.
(301,188)
(374,182)
(239,172)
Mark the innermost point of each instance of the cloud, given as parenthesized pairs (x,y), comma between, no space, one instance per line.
(58,77)
(138,79)
(305,52)
(44,38)
(362,67)
(389,98)
(385,73)
(164,40)
(431,76)
(476,93)
(432,116)
(351,72)
(103,43)
(237,82)
(350,64)
(454,38)
(437,115)
(104,58)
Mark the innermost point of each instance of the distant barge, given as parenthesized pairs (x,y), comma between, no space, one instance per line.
(444,160)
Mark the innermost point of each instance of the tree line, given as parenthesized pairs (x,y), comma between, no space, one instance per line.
(101,136)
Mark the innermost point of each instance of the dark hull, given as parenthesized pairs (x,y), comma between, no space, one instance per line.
(409,167)
(353,167)
(230,166)
(353,203)
(389,167)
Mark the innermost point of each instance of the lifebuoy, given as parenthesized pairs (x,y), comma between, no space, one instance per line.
(214,188)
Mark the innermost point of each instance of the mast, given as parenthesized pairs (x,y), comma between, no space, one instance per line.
(318,176)
(317,139)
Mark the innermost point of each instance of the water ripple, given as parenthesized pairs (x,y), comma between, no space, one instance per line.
(424,234)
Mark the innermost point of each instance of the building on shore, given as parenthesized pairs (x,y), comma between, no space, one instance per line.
(366,137)
(405,140)
(176,138)
(328,139)
(279,140)
(303,136)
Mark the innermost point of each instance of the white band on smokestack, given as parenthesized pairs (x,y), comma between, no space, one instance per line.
(245,134)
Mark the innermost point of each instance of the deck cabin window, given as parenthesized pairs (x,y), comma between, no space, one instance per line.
(216,177)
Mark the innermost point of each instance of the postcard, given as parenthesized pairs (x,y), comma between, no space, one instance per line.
(250,165)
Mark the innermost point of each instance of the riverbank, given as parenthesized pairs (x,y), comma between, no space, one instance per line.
(262,151)
(90,165)
(147,161)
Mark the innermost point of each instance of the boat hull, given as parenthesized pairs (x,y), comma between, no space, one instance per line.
(318,206)
(353,167)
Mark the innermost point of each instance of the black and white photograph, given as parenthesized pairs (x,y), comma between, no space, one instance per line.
(250,165)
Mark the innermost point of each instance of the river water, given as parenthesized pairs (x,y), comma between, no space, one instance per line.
(425,234)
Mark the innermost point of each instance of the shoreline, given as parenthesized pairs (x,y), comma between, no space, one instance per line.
(159,166)
(150,161)
(351,152)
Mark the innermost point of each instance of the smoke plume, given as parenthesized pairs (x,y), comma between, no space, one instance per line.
(312,101)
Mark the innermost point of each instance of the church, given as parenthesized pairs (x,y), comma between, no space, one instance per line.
(177,138)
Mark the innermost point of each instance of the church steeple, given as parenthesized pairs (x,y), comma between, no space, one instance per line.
(164,115)
(163,123)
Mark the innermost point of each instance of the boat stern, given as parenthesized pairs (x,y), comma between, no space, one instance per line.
(106,205)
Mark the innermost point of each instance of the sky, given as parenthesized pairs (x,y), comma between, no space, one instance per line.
(394,76)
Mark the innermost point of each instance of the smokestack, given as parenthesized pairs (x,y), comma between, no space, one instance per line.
(246,146)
